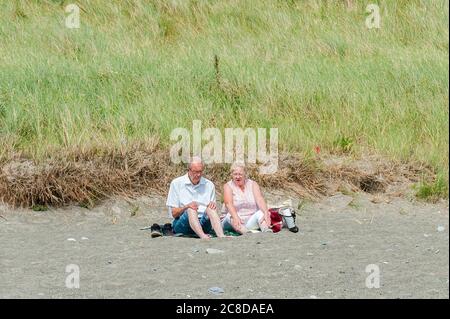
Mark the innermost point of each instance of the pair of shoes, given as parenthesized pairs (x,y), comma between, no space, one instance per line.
(156,231)
(167,229)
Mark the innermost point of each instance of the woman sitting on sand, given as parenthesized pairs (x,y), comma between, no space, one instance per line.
(244,206)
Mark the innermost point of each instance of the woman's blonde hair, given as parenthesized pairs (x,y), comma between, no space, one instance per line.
(237,165)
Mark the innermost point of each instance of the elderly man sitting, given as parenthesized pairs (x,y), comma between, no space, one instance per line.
(192,203)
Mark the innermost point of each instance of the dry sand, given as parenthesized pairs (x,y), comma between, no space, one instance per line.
(326,259)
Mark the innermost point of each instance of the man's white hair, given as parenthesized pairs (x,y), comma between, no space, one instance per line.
(195,160)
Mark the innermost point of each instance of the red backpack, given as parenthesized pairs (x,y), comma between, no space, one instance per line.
(276,220)
(282,216)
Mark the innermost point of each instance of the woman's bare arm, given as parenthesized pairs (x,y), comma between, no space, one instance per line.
(259,199)
(228,201)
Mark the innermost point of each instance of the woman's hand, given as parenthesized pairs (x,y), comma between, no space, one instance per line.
(238,224)
(268,219)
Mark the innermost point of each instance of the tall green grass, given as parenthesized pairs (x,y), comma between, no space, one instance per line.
(310,68)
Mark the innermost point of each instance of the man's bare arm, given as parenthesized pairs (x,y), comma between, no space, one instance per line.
(177,211)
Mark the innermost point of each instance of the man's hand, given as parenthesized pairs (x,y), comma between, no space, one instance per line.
(192,205)
(212,206)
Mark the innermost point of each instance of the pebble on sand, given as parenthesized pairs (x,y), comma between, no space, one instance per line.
(216,290)
(440,228)
(214,251)
(71,239)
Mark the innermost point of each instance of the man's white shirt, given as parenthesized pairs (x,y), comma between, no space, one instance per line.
(183,192)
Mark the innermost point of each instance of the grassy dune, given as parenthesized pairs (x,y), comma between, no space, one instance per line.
(313,69)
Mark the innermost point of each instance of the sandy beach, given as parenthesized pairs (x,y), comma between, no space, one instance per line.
(340,238)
